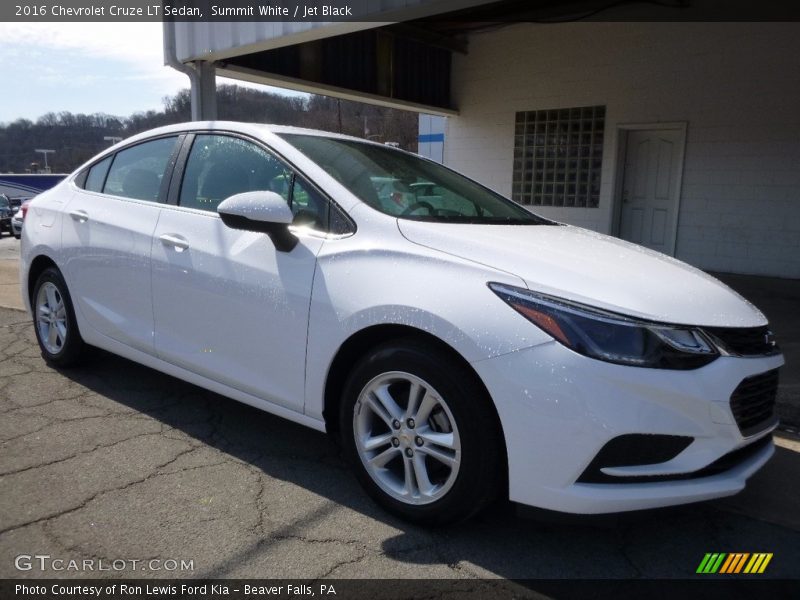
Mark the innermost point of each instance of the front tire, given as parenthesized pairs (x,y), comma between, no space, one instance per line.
(424,440)
(54,321)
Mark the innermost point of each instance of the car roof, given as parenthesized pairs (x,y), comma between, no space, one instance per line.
(254,129)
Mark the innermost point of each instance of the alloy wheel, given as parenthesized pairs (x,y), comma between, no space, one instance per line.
(51,318)
(407,438)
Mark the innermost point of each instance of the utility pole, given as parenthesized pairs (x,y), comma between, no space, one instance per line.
(45,153)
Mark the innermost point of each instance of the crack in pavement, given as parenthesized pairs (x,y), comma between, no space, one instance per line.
(78,454)
(340,564)
(99,494)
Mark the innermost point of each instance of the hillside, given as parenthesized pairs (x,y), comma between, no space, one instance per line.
(77,137)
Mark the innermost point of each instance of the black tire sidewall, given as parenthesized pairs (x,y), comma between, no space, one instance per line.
(73,347)
(478,479)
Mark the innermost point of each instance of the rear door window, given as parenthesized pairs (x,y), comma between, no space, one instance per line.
(138,172)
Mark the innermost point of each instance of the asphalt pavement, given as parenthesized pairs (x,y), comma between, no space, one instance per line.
(114,461)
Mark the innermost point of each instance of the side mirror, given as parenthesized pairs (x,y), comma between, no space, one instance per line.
(260,211)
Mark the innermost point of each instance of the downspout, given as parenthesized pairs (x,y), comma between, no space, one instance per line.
(201,77)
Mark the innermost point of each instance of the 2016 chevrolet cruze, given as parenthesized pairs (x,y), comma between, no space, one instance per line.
(461,346)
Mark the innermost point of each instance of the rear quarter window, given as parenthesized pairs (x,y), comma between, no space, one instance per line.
(97,175)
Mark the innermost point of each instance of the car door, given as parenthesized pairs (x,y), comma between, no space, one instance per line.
(227,304)
(107,235)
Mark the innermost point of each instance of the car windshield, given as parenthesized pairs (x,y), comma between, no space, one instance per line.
(403,185)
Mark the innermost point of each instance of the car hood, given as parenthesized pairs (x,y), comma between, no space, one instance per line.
(594,269)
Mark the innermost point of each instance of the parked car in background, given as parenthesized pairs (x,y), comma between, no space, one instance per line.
(18,218)
(5,214)
(462,347)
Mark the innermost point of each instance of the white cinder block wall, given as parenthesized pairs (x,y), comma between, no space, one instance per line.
(737,86)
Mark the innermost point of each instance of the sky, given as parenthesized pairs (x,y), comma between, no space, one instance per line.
(113,68)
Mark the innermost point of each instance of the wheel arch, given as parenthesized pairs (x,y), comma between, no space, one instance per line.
(361,342)
(38,265)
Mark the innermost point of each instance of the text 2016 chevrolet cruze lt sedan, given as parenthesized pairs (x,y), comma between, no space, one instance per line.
(461,346)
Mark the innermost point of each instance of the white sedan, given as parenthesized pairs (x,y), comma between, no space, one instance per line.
(462,347)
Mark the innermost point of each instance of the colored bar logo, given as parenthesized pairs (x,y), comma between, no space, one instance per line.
(734,563)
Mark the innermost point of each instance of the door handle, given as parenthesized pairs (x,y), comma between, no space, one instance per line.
(175,241)
(79,215)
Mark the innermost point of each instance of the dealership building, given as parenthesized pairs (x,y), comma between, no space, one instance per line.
(680,136)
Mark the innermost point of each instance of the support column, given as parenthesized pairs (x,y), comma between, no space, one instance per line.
(204,91)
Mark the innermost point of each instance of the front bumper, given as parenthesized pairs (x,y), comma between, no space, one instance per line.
(558,409)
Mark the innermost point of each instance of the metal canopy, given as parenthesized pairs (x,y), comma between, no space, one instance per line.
(376,63)
(401,63)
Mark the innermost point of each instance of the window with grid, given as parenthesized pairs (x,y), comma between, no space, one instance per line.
(558,155)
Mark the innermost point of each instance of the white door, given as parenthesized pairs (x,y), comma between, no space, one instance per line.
(650,191)
(227,304)
(107,234)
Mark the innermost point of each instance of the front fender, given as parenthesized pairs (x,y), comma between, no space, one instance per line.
(358,286)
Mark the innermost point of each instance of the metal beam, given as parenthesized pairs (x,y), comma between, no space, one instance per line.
(301,85)
(204,91)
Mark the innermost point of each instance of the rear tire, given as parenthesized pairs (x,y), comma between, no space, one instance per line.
(423,439)
(54,321)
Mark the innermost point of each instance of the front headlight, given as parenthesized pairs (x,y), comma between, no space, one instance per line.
(609,336)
